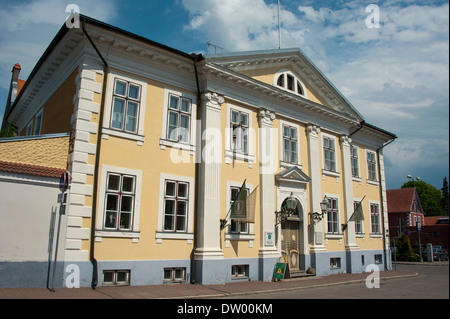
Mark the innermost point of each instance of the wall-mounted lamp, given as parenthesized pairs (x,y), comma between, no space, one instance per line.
(324,207)
(287,210)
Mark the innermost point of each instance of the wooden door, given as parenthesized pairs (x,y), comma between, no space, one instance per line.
(290,243)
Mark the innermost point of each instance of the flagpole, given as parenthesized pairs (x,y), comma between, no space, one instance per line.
(344,226)
(279,26)
(223,222)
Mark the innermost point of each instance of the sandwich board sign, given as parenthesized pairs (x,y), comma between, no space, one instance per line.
(280,269)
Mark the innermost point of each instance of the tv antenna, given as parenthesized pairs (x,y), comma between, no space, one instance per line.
(214,46)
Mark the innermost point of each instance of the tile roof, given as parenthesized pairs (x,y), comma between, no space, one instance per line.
(400,200)
(20,84)
(28,169)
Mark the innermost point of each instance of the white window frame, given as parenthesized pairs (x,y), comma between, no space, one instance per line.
(380,233)
(107,129)
(134,233)
(29,130)
(352,158)
(336,157)
(229,236)
(283,163)
(164,141)
(38,123)
(229,152)
(370,181)
(297,81)
(161,234)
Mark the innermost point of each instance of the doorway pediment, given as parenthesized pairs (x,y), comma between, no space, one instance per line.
(293,175)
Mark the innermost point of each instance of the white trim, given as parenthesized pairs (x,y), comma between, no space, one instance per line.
(296,77)
(229,154)
(164,140)
(100,231)
(107,130)
(250,236)
(160,233)
(380,220)
(297,127)
(338,235)
(368,181)
(336,160)
(41,114)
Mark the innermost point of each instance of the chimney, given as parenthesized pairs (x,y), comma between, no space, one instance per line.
(13,87)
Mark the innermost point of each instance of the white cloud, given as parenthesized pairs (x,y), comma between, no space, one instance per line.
(395,75)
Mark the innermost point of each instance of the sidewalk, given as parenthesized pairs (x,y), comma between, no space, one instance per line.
(188,291)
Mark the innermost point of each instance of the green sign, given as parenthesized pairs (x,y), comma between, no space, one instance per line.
(278,273)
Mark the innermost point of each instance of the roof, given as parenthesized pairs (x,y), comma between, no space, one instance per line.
(433,220)
(28,169)
(400,200)
(20,84)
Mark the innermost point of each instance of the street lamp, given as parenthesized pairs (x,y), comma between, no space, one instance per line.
(324,207)
(414,180)
(290,204)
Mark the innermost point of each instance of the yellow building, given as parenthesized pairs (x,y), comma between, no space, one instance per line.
(162,141)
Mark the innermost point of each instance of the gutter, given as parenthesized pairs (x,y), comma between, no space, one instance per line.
(382,200)
(92,259)
(196,58)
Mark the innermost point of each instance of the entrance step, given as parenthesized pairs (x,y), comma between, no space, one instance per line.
(300,274)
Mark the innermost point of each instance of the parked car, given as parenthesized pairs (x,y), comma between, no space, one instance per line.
(438,254)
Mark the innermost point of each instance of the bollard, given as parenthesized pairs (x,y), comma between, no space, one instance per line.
(430,252)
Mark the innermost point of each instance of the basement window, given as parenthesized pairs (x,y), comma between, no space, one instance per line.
(335,263)
(116,277)
(175,275)
(239,271)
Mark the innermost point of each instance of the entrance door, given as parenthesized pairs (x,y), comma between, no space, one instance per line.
(290,243)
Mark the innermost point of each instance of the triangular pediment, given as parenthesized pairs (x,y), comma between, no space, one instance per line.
(293,174)
(266,65)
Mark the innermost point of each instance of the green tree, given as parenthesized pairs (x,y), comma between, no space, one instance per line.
(430,197)
(445,197)
(11,131)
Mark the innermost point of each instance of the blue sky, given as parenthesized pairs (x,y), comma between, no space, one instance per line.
(395,75)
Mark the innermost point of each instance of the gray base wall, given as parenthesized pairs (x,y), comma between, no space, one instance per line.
(206,272)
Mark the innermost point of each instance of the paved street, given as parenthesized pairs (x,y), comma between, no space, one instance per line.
(432,282)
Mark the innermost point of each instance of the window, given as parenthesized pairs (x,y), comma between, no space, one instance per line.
(354,160)
(239,271)
(179,119)
(38,123)
(371,167)
(236,227)
(119,202)
(175,274)
(335,263)
(333,216)
(290,144)
(358,223)
(375,219)
(378,259)
(239,126)
(288,81)
(116,277)
(329,151)
(125,106)
(29,129)
(176,203)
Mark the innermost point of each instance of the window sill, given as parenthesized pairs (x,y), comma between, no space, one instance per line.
(334,236)
(134,235)
(286,165)
(163,143)
(230,155)
(239,236)
(369,182)
(160,235)
(330,173)
(106,132)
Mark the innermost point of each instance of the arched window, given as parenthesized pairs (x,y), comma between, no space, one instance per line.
(288,81)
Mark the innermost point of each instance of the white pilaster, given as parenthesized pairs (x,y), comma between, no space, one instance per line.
(208,234)
(315,191)
(268,161)
(348,193)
